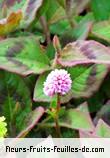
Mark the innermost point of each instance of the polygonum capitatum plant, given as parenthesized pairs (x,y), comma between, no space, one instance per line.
(58,83)
(68,69)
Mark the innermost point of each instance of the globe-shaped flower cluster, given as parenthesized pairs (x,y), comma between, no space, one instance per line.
(57,82)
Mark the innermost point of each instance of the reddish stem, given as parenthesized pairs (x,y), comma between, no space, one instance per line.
(56,117)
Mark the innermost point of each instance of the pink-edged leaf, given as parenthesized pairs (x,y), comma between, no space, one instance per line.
(74,119)
(77,119)
(84,52)
(87,79)
(32,121)
(23,56)
(102,129)
(55,12)
(31,9)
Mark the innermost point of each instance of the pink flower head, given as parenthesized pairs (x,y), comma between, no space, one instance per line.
(58,81)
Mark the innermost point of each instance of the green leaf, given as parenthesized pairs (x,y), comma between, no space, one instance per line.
(3,129)
(15,102)
(102,30)
(101,9)
(39,95)
(83,107)
(77,119)
(87,79)
(80,32)
(31,121)
(102,129)
(23,55)
(62,3)
(84,27)
(60,27)
(96,100)
(8,110)
(38,91)
(55,12)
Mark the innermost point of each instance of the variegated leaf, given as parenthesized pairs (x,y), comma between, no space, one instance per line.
(74,119)
(84,52)
(87,79)
(71,120)
(31,121)
(30,10)
(23,56)
(55,13)
(101,130)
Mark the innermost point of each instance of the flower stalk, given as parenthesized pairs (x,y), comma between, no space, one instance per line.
(58,83)
(57,117)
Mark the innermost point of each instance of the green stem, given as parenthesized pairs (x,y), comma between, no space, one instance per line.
(58,103)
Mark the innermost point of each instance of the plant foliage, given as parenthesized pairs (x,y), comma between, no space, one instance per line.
(39,36)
